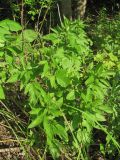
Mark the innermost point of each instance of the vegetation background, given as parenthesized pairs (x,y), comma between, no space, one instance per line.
(60,80)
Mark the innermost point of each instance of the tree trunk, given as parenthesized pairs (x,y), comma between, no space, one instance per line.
(81,8)
(66,8)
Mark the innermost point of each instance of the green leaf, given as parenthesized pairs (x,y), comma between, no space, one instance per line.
(48,129)
(2,64)
(13,78)
(62,79)
(105,82)
(89,80)
(71,95)
(99,91)
(106,109)
(1,53)
(100,117)
(83,136)
(55,146)
(59,53)
(2,95)
(38,120)
(10,25)
(3,33)
(76,121)
(52,37)
(45,70)
(9,58)
(59,93)
(52,81)
(2,43)
(60,102)
(29,35)
(113,57)
(59,130)
(3,76)
(35,111)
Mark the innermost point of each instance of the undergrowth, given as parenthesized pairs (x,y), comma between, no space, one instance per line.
(69,86)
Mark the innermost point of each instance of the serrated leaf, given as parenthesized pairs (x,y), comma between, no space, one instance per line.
(10,25)
(13,78)
(89,80)
(45,70)
(100,117)
(54,147)
(113,57)
(29,35)
(99,92)
(47,128)
(83,136)
(55,112)
(3,33)
(35,111)
(52,37)
(59,130)
(37,121)
(106,109)
(59,102)
(105,82)
(52,81)
(71,95)
(62,79)
(76,121)
(2,95)
(9,59)
(2,76)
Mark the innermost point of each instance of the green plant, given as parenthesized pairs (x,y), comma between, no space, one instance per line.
(85,82)
(38,14)
(66,84)
(11,53)
(105,34)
